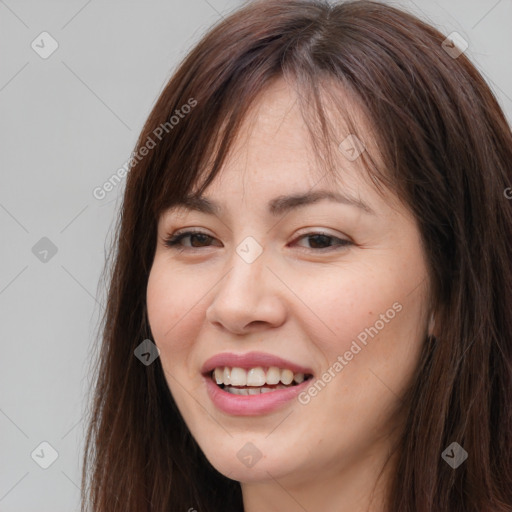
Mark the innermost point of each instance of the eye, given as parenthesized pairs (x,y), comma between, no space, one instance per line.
(202,240)
(174,241)
(323,240)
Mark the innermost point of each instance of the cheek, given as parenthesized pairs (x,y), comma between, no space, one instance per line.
(342,304)
(174,310)
(374,326)
(174,314)
(373,319)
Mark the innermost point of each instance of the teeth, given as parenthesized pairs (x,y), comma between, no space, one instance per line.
(286,376)
(273,375)
(298,378)
(238,377)
(252,391)
(255,377)
(219,376)
(226,376)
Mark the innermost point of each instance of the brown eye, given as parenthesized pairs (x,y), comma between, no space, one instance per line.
(198,239)
(318,241)
(321,241)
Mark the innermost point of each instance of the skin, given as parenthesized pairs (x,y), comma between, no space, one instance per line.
(298,301)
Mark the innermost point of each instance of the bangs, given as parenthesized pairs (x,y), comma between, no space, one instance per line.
(338,125)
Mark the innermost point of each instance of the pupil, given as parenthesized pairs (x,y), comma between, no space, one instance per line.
(198,235)
(317,237)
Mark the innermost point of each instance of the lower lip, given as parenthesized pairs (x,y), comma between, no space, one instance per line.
(251,405)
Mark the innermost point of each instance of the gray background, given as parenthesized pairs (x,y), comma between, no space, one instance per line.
(67,123)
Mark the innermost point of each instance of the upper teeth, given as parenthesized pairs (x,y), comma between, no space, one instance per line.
(255,376)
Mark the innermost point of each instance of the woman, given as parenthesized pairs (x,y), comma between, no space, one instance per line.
(309,307)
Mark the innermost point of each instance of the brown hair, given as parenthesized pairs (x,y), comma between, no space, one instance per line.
(447,149)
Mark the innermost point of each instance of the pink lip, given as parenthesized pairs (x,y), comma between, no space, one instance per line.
(251,405)
(251,360)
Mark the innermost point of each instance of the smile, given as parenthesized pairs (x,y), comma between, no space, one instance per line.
(254,381)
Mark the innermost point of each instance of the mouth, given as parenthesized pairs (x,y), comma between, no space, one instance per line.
(257,380)
(253,383)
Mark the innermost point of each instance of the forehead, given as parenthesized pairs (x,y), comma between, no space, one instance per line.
(272,160)
(282,129)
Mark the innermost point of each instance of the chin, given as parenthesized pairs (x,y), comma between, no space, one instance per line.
(247,461)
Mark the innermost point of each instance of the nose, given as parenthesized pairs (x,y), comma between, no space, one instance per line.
(248,298)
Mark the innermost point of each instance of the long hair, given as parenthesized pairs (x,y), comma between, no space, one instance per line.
(447,152)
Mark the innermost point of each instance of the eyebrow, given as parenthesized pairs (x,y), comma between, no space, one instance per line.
(277,206)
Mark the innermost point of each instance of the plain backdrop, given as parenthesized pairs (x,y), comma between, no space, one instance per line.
(68,122)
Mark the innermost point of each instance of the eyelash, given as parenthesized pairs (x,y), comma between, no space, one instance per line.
(173,241)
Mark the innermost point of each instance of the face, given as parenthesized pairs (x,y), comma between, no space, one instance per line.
(327,293)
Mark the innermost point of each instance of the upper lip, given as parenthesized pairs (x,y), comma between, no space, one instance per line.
(251,360)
